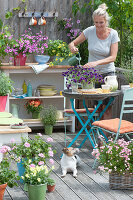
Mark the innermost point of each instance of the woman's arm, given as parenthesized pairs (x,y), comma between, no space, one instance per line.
(80,39)
(111,58)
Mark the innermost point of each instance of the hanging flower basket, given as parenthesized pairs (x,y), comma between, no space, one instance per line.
(121,181)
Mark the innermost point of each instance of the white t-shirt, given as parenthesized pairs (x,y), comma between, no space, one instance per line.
(100,49)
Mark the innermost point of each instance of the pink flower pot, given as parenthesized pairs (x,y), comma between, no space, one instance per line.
(19,60)
(3,100)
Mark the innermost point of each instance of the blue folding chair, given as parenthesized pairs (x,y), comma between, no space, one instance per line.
(117,127)
(70,113)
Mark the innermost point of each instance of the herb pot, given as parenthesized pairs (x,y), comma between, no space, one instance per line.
(48,129)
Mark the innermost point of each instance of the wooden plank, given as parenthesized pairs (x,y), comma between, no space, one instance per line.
(17,193)
(101,180)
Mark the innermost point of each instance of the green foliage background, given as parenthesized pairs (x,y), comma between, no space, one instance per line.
(121,12)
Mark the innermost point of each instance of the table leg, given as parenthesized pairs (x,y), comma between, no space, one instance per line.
(90,116)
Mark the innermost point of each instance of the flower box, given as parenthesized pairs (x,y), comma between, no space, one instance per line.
(120,181)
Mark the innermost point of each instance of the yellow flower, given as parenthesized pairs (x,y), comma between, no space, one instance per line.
(56,59)
(22,177)
(38,179)
(27,176)
(59,46)
(52,167)
(53,51)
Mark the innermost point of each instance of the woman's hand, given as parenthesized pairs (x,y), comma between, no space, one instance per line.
(90,65)
(73,48)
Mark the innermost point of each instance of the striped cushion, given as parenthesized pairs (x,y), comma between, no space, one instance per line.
(112,125)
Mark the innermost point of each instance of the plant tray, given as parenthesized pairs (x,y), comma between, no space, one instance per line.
(120,181)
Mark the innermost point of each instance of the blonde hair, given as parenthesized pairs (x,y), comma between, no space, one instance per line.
(101,11)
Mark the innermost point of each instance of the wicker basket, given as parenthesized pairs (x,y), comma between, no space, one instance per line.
(121,181)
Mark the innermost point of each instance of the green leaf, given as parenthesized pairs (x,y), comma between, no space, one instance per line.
(8,15)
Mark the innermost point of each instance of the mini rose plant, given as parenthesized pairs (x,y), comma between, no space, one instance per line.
(33,105)
(33,151)
(115,157)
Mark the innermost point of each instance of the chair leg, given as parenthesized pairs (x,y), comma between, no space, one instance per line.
(65,130)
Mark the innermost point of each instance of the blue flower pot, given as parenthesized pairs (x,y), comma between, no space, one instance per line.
(21,170)
(42,59)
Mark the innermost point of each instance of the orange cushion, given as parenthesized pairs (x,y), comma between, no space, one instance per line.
(81,110)
(112,125)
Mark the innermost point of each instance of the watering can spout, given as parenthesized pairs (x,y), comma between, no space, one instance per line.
(74,60)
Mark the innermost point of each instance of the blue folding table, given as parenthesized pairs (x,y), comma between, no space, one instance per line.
(99,98)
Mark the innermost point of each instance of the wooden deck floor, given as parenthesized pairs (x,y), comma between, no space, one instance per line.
(87,186)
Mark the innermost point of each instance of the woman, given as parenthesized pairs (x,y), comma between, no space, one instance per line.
(102,45)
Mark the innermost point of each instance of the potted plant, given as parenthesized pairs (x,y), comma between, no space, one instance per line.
(84,76)
(36,177)
(60,50)
(117,159)
(49,116)
(50,185)
(129,77)
(34,106)
(26,44)
(35,151)
(5,88)
(7,176)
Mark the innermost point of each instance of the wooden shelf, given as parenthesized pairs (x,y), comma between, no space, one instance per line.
(37,122)
(40,97)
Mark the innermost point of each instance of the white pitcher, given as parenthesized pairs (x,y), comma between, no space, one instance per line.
(112,81)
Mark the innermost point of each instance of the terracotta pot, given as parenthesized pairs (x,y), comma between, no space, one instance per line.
(19,60)
(50,188)
(2,190)
(3,100)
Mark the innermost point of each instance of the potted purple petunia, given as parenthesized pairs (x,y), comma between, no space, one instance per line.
(83,76)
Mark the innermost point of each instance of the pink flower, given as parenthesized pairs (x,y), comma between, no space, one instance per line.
(41,163)
(78,21)
(5,149)
(12,140)
(51,161)
(32,165)
(49,139)
(27,144)
(41,155)
(39,134)
(51,153)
